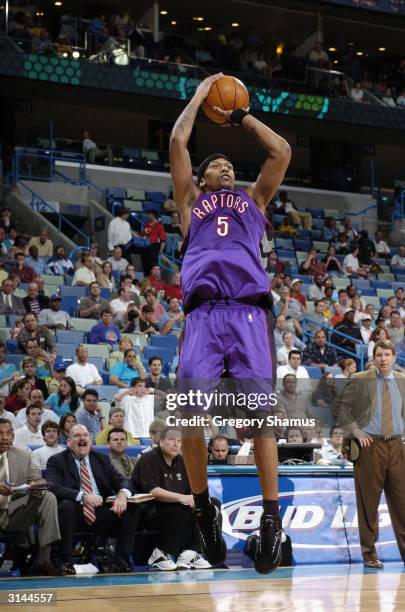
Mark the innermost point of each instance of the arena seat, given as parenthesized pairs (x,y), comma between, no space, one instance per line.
(380,284)
(98,350)
(316,234)
(320,245)
(148,206)
(301,244)
(366,292)
(99,362)
(169,341)
(155,196)
(116,193)
(69,304)
(397,285)
(66,351)
(384,293)
(132,451)
(318,223)
(361,283)
(316,213)
(165,354)
(84,325)
(69,337)
(304,278)
(105,392)
(15,359)
(76,292)
(283,243)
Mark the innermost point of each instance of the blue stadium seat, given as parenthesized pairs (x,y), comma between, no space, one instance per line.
(147,206)
(105,392)
(76,292)
(380,284)
(394,270)
(145,441)
(118,193)
(165,219)
(283,243)
(361,283)
(304,234)
(12,319)
(316,234)
(314,372)
(15,359)
(66,351)
(305,278)
(397,285)
(69,304)
(317,213)
(400,278)
(69,337)
(105,293)
(302,244)
(278,219)
(155,196)
(318,224)
(169,341)
(368,292)
(166,354)
(284,254)
(131,451)
(98,362)
(11,346)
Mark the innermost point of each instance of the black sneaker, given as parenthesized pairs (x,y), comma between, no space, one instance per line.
(209,522)
(268,551)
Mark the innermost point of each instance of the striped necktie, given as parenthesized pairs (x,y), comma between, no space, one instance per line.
(387,424)
(88,511)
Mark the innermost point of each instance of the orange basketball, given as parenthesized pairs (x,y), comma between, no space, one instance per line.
(228,93)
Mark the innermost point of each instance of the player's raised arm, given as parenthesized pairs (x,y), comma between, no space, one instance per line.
(185,191)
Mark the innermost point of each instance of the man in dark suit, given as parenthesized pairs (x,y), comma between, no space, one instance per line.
(82,479)
(9,303)
(33,302)
(371,411)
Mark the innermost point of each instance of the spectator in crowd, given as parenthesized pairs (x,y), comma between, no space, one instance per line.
(293,367)
(289,307)
(132,324)
(33,331)
(82,372)
(50,432)
(24,272)
(28,368)
(283,325)
(342,243)
(66,423)
(91,306)
(316,291)
(367,252)
(9,303)
(172,321)
(124,372)
(401,99)
(119,230)
(60,265)
(351,331)
(351,264)
(161,472)
(331,452)
(156,380)
(151,300)
(348,367)
(357,92)
(7,370)
(332,264)
(155,280)
(53,317)
(295,435)
(43,360)
(105,277)
(147,325)
(128,282)
(138,404)
(84,276)
(66,399)
(381,247)
(284,350)
(81,479)
(398,261)
(30,433)
(37,397)
(117,261)
(43,244)
(118,356)
(41,285)
(119,306)
(18,397)
(318,315)
(153,230)
(93,152)
(318,56)
(116,418)
(295,292)
(117,439)
(218,450)
(34,302)
(5,414)
(287,229)
(90,414)
(378,334)
(395,328)
(284,205)
(329,231)
(9,241)
(33,261)
(388,99)
(366,329)
(325,392)
(312,264)
(105,331)
(21,513)
(318,353)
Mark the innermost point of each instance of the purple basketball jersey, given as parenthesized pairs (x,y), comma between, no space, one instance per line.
(222,259)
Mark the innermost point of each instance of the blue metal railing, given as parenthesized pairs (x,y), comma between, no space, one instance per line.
(361,212)
(399,208)
(35,199)
(48,157)
(357,356)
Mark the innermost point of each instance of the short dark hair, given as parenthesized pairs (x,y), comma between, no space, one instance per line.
(122,211)
(105,310)
(130,350)
(116,430)
(147,308)
(94,283)
(294,352)
(28,314)
(332,430)
(64,418)
(3,421)
(151,359)
(31,407)
(50,425)
(319,301)
(136,381)
(92,392)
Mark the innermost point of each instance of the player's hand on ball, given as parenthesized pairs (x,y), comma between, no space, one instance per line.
(204,87)
(226,114)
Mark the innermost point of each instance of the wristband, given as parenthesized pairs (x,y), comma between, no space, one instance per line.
(237,116)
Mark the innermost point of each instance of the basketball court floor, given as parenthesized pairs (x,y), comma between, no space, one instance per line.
(312,588)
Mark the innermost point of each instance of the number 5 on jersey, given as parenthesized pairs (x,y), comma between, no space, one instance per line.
(222,226)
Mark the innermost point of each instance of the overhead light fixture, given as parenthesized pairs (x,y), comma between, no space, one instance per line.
(207,29)
(58,3)
(37,14)
(76,55)
(335,61)
(173,22)
(359,53)
(280,49)
(163,12)
(382,49)
(198,18)
(332,49)
(64,54)
(235,24)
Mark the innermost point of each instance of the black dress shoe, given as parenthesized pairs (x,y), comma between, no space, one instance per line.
(120,566)
(68,569)
(48,568)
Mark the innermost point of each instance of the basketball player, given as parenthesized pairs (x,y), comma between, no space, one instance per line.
(225,290)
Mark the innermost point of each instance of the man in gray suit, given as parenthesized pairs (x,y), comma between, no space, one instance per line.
(9,303)
(371,411)
(19,511)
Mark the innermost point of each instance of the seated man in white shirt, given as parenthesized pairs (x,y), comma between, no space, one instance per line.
(119,306)
(294,367)
(398,261)
(331,451)
(83,373)
(351,264)
(37,398)
(138,404)
(50,433)
(31,432)
(119,230)
(117,261)
(284,351)
(84,275)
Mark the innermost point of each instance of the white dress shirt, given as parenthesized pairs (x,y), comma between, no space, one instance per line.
(119,232)
(139,414)
(84,275)
(83,374)
(24,437)
(41,455)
